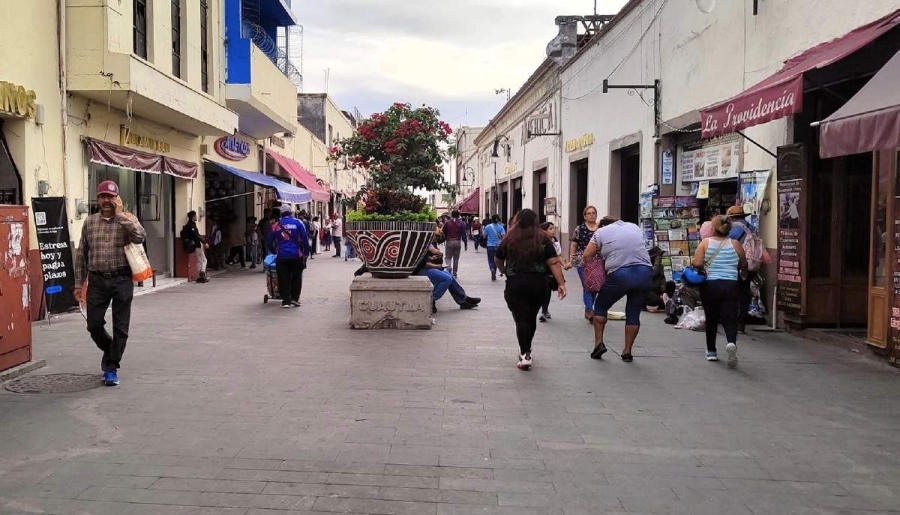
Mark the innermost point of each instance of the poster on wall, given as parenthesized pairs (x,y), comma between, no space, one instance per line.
(894,340)
(668,165)
(751,193)
(52,224)
(711,160)
(790,276)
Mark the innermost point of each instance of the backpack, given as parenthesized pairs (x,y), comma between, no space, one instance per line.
(755,251)
(187,240)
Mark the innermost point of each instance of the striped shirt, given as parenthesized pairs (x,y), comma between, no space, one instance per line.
(725,266)
(102,247)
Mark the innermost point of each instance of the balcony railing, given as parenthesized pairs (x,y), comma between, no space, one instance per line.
(275,54)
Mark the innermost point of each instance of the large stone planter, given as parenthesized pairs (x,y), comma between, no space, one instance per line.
(391,250)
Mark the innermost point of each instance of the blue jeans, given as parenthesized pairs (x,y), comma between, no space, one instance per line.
(444,282)
(587,297)
(491,254)
(631,281)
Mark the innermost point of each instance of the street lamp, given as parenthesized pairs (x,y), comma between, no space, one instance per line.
(468,178)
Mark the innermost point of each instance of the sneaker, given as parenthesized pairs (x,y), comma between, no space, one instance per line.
(252,267)
(493,276)
(468,305)
(731,349)
(111,378)
(542,318)
(524,362)
(286,306)
(295,303)
(711,356)
(473,300)
(547,316)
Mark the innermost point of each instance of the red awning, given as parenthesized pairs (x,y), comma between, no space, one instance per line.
(303,176)
(470,205)
(782,94)
(870,121)
(130,159)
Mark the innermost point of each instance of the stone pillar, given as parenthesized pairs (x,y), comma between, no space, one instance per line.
(390,303)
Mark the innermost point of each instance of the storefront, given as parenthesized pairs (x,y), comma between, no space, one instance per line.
(147,184)
(869,124)
(831,211)
(305,179)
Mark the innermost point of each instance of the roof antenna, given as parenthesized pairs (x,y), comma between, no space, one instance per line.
(595,7)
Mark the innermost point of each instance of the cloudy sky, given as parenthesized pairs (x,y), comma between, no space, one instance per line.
(448,54)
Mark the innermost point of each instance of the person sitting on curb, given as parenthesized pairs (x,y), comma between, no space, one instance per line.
(431,266)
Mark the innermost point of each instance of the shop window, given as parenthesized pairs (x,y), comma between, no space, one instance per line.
(204,45)
(176,38)
(140,28)
(858,215)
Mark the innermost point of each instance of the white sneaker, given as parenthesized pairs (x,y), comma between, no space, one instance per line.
(731,349)
(711,356)
(524,362)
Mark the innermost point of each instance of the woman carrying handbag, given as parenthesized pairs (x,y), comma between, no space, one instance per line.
(629,273)
(723,261)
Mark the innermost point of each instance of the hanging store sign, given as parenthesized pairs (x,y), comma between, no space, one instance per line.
(711,161)
(574,145)
(17,101)
(510,168)
(668,163)
(276,141)
(550,206)
(52,224)
(791,298)
(129,138)
(232,148)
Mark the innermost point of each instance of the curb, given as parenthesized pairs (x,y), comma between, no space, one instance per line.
(21,370)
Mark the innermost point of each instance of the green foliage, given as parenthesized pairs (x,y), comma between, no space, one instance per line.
(425,215)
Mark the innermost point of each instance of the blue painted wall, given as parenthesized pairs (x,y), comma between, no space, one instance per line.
(237,48)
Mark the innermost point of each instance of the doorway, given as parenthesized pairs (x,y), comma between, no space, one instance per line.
(540,182)
(625,180)
(517,196)
(504,202)
(578,192)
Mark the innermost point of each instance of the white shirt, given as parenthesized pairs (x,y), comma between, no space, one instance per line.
(337,228)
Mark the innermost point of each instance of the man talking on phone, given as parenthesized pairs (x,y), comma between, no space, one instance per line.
(101,260)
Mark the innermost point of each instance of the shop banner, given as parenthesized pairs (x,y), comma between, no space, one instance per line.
(894,340)
(753,107)
(668,163)
(712,161)
(751,193)
(790,274)
(52,225)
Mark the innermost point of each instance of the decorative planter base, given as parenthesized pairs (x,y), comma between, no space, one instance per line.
(391,250)
(390,303)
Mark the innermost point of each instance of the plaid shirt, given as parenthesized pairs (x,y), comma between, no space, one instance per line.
(103,244)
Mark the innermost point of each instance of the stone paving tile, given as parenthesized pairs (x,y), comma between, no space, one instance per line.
(440,422)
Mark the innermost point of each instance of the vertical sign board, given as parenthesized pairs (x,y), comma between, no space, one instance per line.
(894,335)
(52,224)
(791,297)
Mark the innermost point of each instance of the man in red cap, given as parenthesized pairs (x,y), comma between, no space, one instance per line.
(101,258)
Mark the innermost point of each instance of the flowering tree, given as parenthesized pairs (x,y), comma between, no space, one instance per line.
(403,149)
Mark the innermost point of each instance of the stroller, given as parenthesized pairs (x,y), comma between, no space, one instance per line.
(271,279)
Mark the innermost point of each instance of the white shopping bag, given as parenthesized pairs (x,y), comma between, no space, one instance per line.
(139,263)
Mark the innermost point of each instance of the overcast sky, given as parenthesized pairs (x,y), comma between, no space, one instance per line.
(448,54)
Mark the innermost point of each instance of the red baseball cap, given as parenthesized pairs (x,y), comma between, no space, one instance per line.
(108,188)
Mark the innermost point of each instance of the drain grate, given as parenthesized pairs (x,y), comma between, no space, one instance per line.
(54,383)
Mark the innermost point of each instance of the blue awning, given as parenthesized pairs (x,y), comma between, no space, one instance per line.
(284,191)
(279,11)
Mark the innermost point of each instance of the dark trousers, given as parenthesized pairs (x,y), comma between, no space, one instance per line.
(476,240)
(491,254)
(337,245)
(721,302)
(290,279)
(545,307)
(524,296)
(746,297)
(314,244)
(101,291)
(239,252)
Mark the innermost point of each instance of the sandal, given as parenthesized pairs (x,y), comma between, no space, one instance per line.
(598,351)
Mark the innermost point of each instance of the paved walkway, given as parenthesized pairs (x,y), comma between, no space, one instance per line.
(229,406)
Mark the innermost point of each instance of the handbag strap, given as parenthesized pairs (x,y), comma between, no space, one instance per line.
(716,253)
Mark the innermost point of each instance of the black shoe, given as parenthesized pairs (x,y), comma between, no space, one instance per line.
(433,307)
(493,276)
(598,351)
(468,305)
(542,318)
(473,300)
(252,267)
(627,358)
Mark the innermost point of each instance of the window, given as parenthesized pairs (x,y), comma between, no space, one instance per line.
(176,38)
(204,45)
(330,135)
(140,28)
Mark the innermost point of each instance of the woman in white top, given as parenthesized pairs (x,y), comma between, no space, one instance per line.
(723,259)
